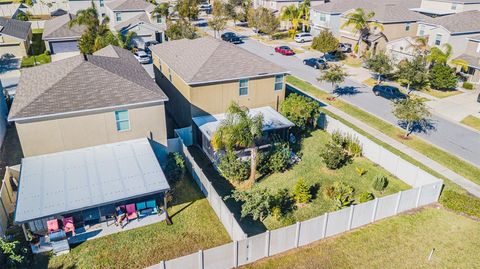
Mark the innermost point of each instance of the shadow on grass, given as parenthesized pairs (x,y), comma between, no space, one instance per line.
(224,188)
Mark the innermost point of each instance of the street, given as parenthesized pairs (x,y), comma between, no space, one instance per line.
(445,134)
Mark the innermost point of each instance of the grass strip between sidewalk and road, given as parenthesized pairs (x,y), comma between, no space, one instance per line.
(453,163)
(472,121)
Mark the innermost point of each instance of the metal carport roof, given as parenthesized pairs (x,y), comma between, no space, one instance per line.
(69,181)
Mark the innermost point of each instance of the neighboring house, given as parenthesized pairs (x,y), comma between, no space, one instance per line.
(401,49)
(453,29)
(59,37)
(87,100)
(15,37)
(277,5)
(435,8)
(472,56)
(204,75)
(394,15)
(136,16)
(76,5)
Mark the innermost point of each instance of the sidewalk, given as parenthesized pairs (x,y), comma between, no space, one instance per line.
(454,177)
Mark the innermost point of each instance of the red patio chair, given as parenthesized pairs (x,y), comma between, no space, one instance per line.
(68,225)
(52,225)
(131,212)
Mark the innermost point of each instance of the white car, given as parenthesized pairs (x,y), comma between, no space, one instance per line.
(303,37)
(142,57)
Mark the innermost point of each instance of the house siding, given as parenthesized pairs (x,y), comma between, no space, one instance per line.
(15,46)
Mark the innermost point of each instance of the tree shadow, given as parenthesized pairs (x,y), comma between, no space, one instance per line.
(346,91)
(424,126)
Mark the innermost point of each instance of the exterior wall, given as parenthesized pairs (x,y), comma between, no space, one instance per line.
(473,48)
(57,135)
(15,46)
(76,5)
(398,30)
(332,23)
(125,15)
(445,6)
(400,49)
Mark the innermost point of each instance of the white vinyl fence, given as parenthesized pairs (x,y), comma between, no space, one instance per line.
(426,190)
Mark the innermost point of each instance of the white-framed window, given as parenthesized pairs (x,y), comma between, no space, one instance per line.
(122,121)
(159,19)
(421,30)
(322,16)
(101,3)
(407,26)
(278,82)
(118,16)
(478,48)
(438,39)
(454,6)
(243,87)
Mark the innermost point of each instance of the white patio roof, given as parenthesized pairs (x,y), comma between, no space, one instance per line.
(431,11)
(74,180)
(271,120)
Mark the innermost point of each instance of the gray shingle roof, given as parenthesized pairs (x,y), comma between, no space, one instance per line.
(130,5)
(385,11)
(57,28)
(463,22)
(471,60)
(110,78)
(15,28)
(207,59)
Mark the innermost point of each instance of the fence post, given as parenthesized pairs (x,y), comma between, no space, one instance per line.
(235,254)
(231,225)
(297,234)
(325,221)
(418,196)
(200,259)
(398,201)
(350,218)
(162,265)
(374,209)
(267,244)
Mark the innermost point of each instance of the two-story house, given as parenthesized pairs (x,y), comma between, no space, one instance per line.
(75,5)
(472,57)
(136,16)
(59,37)
(453,29)
(436,8)
(15,37)
(395,16)
(277,5)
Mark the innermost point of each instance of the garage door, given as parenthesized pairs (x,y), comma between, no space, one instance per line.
(63,46)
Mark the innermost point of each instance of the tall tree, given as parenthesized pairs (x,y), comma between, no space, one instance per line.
(218,22)
(334,75)
(304,10)
(264,20)
(291,14)
(162,10)
(444,56)
(187,9)
(234,10)
(442,77)
(325,42)
(414,72)
(180,29)
(410,111)
(361,23)
(420,45)
(380,63)
(240,130)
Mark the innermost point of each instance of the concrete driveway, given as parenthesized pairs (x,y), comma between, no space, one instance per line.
(458,106)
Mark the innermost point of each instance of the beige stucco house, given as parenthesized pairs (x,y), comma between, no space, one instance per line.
(472,56)
(203,76)
(85,101)
(435,8)
(15,37)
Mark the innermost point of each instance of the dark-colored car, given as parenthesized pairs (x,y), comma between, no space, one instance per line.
(284,50)
(235,40)
(227,36)
(148,44)
(317,63)
(389,92)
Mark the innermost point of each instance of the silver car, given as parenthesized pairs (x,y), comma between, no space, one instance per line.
(142,57)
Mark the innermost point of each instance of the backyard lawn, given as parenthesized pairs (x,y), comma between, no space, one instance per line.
(36,52)
(312,169)
(403,241)
(195,226)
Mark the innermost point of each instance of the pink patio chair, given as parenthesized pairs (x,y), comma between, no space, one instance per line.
(131,212)
(68,225)
(52,225)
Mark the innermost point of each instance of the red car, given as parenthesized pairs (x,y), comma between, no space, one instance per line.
(284,50)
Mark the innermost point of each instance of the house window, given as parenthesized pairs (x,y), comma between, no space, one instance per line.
(102,3)
(407,26)
(322,17)
(438,39)
(279,82)
(454,6)
(421,30)
(159,19)
(170,74)
(122,121)
(478,48)
(118,16)
(243,87)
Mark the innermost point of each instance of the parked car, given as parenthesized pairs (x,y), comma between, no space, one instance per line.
(317,63)
(303,37)
(330,56)
(345,47)
(389,92)
(142,57)
(231,37)
(235,40)
(284,50)
(205,7)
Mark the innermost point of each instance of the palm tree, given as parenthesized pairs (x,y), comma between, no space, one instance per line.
(291,14)
(304,9)
(240,130)
(437,55)
(334,75)
(420,45)
(161,10)
(361,23)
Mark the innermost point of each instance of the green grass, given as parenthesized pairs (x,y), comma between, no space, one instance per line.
(29,61)
(370,82)
(471,121)
(455,164)
(313,170)
(403,241)
(195,226)
(353,62)
(37,31)
(440,94)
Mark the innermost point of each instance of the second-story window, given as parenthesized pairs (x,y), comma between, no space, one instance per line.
(438,39)
(243,87)
(322,17)
(170,74)
(122,121)
(421,30)
(118,16)
(159,19)
(454,6)
(102,3)
(407,26)
(279,82)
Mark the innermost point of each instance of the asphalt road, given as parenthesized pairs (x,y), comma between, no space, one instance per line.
(441,132)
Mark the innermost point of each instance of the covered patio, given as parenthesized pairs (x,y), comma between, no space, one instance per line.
(275,126)
(72,196)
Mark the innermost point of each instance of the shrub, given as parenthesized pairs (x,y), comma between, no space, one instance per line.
(360,171)
(341,201)
(280,35)
(283,203)
(467,85)
(300,110)
(257,203)
(463,203)
(365,197)
(301,192)
(175,167)
(333,155)
(353,147)
(263,165)
(380,183)
(339,139)
(329,192)
(279,157)
(47,52)
(442,77)
(232,168)
(342,195)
